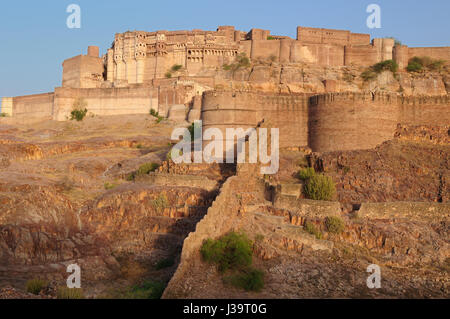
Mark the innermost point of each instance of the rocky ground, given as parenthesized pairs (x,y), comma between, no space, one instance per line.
(69,194)
(58,179)
(67,197)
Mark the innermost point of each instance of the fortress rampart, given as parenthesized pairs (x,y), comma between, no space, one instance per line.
(288,112)
(134,76)
(33,107)
(114,101)
(329,122)
(58,105)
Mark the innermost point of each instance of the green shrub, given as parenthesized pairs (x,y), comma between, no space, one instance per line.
(109,186)
(69,293)
(414,67)
(35,286)
(417,64)
(168,75)
(3,115)
(242,61)
(368,75)
(191,129)
(335,225)
(249,279)
(320,187)
(270,37)
(176,68)
(165,263)
(436,65)
(144,169)
(147,290)
(231,251)
(372,72)
(79,110)
(156,115)
(78,115)
(312,229)
(147,168)
(160,203)
(388,65)
(306,173)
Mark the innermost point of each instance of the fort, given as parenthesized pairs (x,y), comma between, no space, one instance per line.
(362,172)
(180,74)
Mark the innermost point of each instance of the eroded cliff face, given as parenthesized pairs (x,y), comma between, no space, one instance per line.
(412,167)
(269,76)
(65,200)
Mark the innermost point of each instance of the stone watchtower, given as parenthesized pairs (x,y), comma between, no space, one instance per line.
(84,71)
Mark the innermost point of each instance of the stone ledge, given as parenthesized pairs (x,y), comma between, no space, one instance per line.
(421,211)
(162,179)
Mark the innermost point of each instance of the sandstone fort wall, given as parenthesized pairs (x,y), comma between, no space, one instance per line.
(83,71)
(438,53)
(33,108)
(114,101)
(349,121)
(7,106)
(329,122)
(288,112)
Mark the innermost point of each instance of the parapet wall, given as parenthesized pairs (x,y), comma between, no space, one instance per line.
(329,122)
(113,101)
(330,36)
(59,105)
(349,121)
(33,108)
(288,112)
(7,106)
(438,53)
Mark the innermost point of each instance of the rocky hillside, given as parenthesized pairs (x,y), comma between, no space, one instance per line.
(103,194)
(270,76)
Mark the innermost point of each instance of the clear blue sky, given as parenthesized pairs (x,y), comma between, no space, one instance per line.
(35,39)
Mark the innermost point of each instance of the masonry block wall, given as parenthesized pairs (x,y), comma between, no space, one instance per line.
(329,122)
(32,108)
(114,101)
(7,106)
(288,112)
(349,121)
(83,71)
